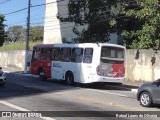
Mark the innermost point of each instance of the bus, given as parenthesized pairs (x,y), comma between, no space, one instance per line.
(80,63)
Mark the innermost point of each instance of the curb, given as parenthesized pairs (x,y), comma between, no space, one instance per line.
(124,88)
(134,90)
(27,74)
(6,71)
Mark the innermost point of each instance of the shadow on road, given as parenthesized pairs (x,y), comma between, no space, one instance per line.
(108,86)
(20,85)
(155,106)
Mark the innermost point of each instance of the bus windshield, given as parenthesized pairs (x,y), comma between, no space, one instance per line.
(112,53)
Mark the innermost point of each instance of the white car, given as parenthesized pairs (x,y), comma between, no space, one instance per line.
(2,77)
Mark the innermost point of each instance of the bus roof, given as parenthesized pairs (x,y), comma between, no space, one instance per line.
(43,45)
(77,44)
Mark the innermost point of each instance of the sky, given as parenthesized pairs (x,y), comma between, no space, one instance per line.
(20,18)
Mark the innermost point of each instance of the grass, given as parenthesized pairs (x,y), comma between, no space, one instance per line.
(18,46)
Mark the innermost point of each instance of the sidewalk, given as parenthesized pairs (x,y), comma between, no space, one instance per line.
(11,69)
(133,83)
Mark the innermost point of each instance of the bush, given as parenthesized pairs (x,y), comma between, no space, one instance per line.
(19,46)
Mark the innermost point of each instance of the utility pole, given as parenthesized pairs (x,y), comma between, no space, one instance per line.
(27,37)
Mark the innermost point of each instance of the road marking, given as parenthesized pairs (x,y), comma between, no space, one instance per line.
(94,100)
(134,90)
(97,101)
(101,102)
(13,106)
(124,88)
(7,71)
(130,89)
(22,109)
(26,74)
(107,92)
(46,89)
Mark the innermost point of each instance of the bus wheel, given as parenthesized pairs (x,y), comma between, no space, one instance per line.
(41,74)
(70,79)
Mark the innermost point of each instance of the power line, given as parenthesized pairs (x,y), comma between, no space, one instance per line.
(16,11)
(41,21)
(47,3)
(33,7)
(53,16)
(5,1)
(38,5)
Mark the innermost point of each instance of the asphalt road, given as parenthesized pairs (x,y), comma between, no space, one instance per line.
(56,100)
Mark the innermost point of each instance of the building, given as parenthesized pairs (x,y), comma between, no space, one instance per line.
(54,30)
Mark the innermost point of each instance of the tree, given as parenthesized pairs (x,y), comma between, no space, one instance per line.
(2,31)
(96,14)
(15,33)
(18,33)
(139,22)
(36,33)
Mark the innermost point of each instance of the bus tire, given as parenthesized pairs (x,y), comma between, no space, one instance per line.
(69,78)
(41,74)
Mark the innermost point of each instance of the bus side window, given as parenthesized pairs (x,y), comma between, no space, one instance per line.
(65,54)
(35,55)
(77,54)
(45,54)
(88,55)
(55,54)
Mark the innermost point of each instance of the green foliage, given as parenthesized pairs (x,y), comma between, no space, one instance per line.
(144,31)
(2,31)
(138,21)
(19,46)
(36,33)
(18,33)
(15,33)
(97,15)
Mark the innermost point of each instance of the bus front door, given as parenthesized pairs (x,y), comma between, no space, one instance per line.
(56,70)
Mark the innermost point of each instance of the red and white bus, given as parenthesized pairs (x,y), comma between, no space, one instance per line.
(81,63)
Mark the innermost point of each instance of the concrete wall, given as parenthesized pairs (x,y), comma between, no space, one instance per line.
(140,64)
(13,59)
